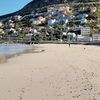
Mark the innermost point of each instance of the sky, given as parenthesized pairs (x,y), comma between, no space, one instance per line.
(9,6)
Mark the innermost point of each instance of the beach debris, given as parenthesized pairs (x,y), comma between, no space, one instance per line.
(42,50)
(84,48)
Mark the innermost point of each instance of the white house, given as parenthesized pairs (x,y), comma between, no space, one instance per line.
(85,15)
(72,34)
(35,31)
(64,33)
(11,25)
(84,38)
(66,21)
(11,29)
(1,31)
(35,21)
(1,24)
(10,21)
(19,29)
(61,8)
(51,22)
(93,9)
(42,19)
(83,21)
(17,17)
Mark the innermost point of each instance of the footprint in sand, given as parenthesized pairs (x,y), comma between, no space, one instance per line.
(22,91)
(9,91)
(20,98)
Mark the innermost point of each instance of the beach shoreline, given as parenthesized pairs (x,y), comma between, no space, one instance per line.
(57,73)
(30,49)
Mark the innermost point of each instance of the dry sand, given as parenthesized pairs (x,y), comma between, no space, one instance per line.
(58,73)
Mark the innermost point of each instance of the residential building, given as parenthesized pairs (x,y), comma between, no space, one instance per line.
(1,24)
(17,17)
(51,22)
(35,21)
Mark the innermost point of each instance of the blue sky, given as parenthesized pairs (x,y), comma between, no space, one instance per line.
(8,6)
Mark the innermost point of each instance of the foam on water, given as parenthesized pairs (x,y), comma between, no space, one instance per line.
(9,49)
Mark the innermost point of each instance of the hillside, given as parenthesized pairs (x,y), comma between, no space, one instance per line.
(46,20)
(41,3)
(31,6)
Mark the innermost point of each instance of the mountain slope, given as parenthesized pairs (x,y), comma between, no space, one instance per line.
(38,4)
(31,6)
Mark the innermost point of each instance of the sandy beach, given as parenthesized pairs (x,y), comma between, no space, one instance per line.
(58,73)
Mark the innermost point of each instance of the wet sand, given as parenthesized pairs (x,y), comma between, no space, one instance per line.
(3,59)
(58,73)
